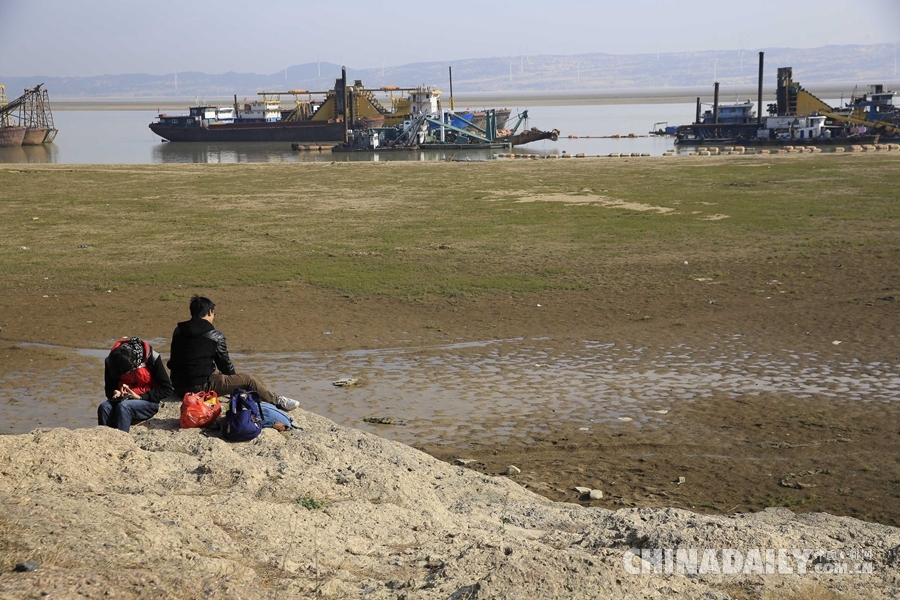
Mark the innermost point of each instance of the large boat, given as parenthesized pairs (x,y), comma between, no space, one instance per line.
(321,118)
(797,117)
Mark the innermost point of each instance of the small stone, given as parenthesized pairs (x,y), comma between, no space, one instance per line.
(28,565)
(679,481)
(345,382)
(582,490)
(462,462)
(596,495)
(513,470)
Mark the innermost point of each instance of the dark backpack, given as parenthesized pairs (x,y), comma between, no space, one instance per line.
(243,421)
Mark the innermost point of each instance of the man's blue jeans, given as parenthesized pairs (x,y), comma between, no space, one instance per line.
(121,414)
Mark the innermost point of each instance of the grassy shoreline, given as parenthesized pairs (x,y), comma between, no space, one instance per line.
(408,229)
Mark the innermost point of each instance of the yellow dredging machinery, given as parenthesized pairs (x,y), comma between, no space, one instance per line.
(874,110)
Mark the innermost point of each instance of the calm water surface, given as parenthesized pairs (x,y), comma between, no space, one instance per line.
(122,137)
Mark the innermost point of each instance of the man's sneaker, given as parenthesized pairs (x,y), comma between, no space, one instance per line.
(285,403)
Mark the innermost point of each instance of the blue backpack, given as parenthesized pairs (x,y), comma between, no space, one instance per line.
(243,421)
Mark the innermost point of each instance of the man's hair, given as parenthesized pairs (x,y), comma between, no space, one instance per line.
(120,361)
(201,306)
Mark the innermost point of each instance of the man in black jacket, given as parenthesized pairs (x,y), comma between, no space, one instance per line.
(200,356)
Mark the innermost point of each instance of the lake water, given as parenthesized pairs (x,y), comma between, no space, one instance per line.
(122,137)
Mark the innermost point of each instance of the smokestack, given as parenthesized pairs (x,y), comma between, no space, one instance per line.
(759,101)
(451,88)
(343,100)
(716,105)
(697,118)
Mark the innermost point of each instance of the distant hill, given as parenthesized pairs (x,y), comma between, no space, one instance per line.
(829,64)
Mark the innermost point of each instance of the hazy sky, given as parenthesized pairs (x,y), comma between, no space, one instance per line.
(67,38)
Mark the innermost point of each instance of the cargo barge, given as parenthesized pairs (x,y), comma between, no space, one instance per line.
(27,120)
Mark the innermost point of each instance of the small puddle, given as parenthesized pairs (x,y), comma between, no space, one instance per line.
(503,390)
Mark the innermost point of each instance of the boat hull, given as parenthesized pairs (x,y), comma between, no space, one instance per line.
(34,136)
(11,137)
(277,131)
(770,143)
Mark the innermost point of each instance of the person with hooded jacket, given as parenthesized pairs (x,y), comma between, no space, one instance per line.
(199,360)
(136,381)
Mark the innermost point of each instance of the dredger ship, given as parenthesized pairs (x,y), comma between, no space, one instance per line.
(797,117)
(315,118)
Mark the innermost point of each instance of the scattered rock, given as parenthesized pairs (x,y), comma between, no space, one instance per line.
(28,565)
(625,419)
(345,382)
(513,470)
(462,462)
(679,481)
(786,480)
(583,490)
(596,495)
(384,421)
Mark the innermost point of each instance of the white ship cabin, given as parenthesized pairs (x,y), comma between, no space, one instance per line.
(882,102)
(793,128)
(424,100)
(225,114)
(262,110)
(729,114)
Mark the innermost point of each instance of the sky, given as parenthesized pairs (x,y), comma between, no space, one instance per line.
(80,38)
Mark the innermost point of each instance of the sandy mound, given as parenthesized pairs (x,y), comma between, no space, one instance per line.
(169,513)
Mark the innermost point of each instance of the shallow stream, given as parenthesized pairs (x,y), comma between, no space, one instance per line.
(499,390)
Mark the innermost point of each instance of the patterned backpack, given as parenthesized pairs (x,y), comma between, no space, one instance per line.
(243,421)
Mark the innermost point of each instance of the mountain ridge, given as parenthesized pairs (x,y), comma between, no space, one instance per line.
(863,64)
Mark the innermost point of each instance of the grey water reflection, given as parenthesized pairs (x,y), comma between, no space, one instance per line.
(257,152)
(45,153)
(513,389)
(529,386)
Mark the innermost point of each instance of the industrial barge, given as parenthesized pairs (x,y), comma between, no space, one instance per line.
(320,118)
(27,120)
(797,118)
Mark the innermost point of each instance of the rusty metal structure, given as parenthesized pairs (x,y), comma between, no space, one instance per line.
(31,113)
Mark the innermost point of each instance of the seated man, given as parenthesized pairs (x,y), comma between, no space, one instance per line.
(136,381)
(199,349)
